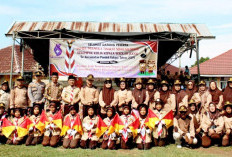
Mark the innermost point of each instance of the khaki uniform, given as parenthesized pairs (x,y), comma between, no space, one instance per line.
(123,96)
(103,104)
(216,124)
(219,105)
(135,104)
(53,91)
(5,98)
(36,92)
(205,100)
(228,123)
(71,95)
(156,96)
(107,121)
(160,114)
(145,131)
(89,127)
(196,97)
(51,130)
(19,98)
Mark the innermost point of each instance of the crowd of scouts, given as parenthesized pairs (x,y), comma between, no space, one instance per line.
(202,115)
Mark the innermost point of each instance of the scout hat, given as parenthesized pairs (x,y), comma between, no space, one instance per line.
(230,79)
(177,82)
(191,102)
(2,105)
(122,79)
(90,77)
(183,109)
(71,77)
(20,78)
(108,80)
(227,103)
(202,82)
(4,82)
(38,73)
(150,81)
(138,81)
(164,82)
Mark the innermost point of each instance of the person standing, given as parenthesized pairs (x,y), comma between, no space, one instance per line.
(5,94)
(36,91)
(70,95)
(53,91)
(89,96)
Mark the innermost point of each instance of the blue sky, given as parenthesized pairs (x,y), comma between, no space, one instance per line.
(217,15)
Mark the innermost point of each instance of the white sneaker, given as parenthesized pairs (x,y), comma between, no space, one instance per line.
(179,146)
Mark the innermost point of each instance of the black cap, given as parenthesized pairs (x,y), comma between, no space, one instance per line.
(54,73)
(71,77)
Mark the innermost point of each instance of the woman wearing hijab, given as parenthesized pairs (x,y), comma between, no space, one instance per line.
(215,95)
(204,94)
(192,92)
(5,94)
(227,93)
(106,97)
(152,92)
(212,125)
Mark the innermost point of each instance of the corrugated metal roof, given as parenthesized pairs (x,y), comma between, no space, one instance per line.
(201,30)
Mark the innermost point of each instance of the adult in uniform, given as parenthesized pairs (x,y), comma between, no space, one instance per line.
(53,91)
(70,95)
(5,94)
(18,96)
(36,91)
(89,96)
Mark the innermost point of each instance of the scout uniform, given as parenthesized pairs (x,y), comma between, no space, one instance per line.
(143,139)
(13,138)
(170,100)
(184,128)
(52,91)
(18,96)
(34,136)
(36,92)
(110,94)
(193,94)
(126,133)
(158,135)
(227,92)
(215,123)
(216,96)
(52,132)
(205,99)
(139,96)
(123,96)
(88,95)
(70,96)
(89,138)
(181,96)
(227,138)
(151,92)
(72,137)
(109,141)
(5,96)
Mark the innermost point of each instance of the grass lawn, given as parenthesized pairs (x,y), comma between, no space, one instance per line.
(171,150)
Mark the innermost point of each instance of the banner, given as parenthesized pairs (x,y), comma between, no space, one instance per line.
(103,58)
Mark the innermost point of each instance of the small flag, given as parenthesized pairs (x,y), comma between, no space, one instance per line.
(134,127)
(116,125)
(43,121)
(23,128)
(7,127)
(57,119)
(101,127)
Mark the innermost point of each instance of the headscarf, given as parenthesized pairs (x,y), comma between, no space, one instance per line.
(227,93)
(108,95)
(215,93)
(215,114)
(164,95)
(190,92)
(139,95)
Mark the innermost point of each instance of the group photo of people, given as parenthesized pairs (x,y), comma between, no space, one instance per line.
(149,113)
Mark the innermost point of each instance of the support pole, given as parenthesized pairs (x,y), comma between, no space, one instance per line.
(22,67)
(179,62)
(198,66)
(12,59)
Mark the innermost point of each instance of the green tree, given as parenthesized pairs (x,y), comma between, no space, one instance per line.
(201,60)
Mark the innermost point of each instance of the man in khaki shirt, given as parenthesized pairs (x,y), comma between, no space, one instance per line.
(89,95)
(53,90)
(70,94)
(18,96)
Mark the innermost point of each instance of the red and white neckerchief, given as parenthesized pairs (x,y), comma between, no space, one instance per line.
(143,131)
(15,132)
(124,131)
(71,127)
(91,124)
(3,116)
(34,122)
(71,94)
(160,125)
(110,137)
